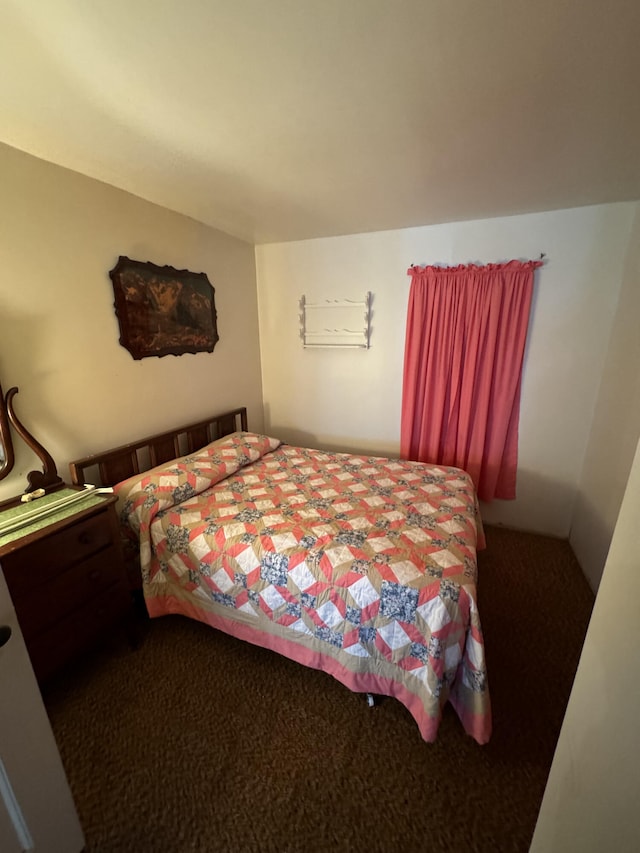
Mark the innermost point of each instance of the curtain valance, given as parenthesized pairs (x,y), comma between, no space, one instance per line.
(514,266)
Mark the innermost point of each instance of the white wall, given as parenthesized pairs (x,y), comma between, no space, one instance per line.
(80,391)
(591,799)
(350,399)
(616,427)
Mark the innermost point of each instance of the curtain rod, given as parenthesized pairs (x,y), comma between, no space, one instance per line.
(543,255)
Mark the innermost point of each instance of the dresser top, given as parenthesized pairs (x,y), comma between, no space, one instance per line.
(45,515)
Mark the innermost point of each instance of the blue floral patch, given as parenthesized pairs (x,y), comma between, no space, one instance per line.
(308,541)
(240,579)
(477,680)
(418,650)
(181,493)
(360,566)
(353,615)
(223,598)
(177,539)
(320,503)
(329,636)
(249,515)
(274,568)
(293,609)
(415,519)
(449,590)
(354,538)
(367,634)
(398,602)
(308,600)
(435,648)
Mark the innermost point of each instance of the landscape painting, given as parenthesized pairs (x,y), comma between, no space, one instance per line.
(163,311)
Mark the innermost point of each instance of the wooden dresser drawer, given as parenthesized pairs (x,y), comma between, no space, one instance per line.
(39,607)
(52,648)
(69,585)
(43,559)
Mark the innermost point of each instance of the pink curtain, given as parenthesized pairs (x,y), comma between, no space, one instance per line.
(466,333)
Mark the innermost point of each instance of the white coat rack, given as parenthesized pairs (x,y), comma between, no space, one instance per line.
(336,323)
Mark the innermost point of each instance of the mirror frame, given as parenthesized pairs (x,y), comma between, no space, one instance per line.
(5,439)
(47,479)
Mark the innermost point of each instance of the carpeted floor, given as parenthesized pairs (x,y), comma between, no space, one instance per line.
(199,742)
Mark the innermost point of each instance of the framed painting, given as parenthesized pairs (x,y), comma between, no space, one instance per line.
(162,310)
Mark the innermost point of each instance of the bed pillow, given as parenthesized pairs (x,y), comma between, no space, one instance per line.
(142,496)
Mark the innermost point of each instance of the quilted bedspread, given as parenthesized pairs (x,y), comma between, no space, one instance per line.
(363,567)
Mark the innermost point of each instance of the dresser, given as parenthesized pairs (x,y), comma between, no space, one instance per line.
(68,584)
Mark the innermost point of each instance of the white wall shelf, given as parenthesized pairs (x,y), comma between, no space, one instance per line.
(336,323)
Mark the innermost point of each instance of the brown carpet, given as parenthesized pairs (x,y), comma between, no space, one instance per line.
(199,742)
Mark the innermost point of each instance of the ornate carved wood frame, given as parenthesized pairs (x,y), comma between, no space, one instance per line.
(48,478)
(163,311)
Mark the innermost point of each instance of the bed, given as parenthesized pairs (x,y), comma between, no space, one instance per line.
(364,567)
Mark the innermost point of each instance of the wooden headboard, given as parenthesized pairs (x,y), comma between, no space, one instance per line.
(119,463)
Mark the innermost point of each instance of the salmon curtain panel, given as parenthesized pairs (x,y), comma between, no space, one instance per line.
(464,348)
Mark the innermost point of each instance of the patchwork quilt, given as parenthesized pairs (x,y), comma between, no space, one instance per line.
(363,567)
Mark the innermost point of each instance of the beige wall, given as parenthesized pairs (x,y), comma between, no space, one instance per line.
(591,799)
(616,427)
(80,391)
(350,399)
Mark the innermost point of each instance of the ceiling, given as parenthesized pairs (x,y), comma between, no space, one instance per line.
(279,120)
